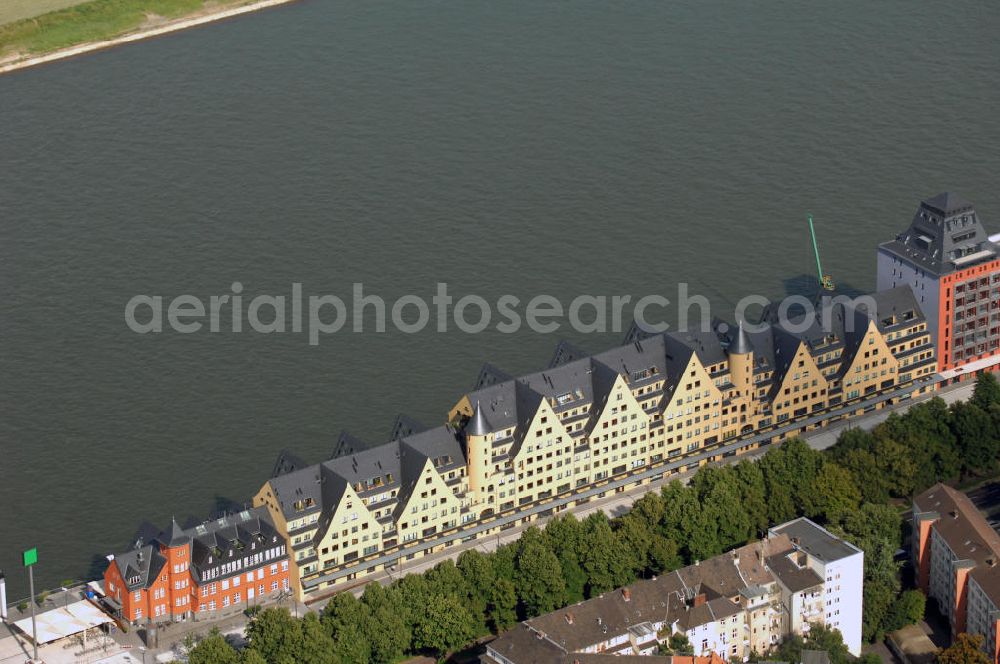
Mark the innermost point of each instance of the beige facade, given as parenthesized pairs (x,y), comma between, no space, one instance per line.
(732,607)
(514,443)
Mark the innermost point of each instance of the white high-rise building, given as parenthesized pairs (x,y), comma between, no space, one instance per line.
(840,566)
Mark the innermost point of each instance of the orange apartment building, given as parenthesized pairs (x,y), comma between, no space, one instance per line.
(955,554)
(953,267)
(205,572)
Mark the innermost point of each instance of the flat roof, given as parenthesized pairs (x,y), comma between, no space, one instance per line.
(815,540)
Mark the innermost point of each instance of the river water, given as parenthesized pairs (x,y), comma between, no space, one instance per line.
(501,147)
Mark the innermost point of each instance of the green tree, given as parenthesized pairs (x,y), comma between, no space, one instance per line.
(650,508)
(409,593)
(275,634)
(908,609)
(388,635)
(213,649)
(875,529)
(685,521)
(977,443)
(679,644)
(502,605)
(789,474)
(477,571)
(445,624)
(316,646)
(965,649)
(537,574)
(251,656)
(820,638)
(897,467)
(753,491)
(348,622)
(663,555)
(446,579)
(564,536)
(834,493)
(636,535)
(723,503)
(574,577)
(606,560)
(986,392)
(830,641)
(926,431)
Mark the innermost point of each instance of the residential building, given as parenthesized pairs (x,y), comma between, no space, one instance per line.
(955,554)
(215,568)
(953,266)
(512,444)
(731,606)
(840,568)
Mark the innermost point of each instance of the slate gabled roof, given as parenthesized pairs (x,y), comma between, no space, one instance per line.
(640,361)
(141,566)
(499,403)
(175,536)
(231,537)
(564,353)
(490,374)
(347,444)
(895,307)
(948,204)
(944,235)
(287,462)
(404,425)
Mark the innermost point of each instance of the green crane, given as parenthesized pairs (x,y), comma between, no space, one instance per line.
(825,280)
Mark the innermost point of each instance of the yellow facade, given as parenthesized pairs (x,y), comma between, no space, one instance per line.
(576,426)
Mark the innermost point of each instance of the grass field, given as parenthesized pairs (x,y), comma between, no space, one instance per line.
(89,21)
(15,10)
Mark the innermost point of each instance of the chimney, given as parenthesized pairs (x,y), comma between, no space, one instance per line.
(626,594)
(569,618)
(700,599)
(953,514)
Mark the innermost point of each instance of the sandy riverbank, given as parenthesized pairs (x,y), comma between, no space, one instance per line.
(174,25)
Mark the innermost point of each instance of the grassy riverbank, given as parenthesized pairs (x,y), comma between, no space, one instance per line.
(95,21)
(15,10)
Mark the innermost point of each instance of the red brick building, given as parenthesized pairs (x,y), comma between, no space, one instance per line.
(953,267)
(215,568)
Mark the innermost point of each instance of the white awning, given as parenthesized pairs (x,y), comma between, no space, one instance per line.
(971,258)
(972,367)
(65,621)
